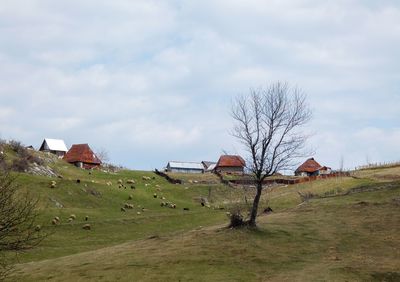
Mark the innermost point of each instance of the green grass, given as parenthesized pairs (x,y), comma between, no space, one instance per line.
(331,239)
(334,237)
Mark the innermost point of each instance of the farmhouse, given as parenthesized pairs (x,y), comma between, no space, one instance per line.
(185,167)
(311,168)
(82,156)
(54,146)
(230,164)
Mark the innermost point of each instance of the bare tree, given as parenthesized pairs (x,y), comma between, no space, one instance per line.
(102,154)
(18,230)
(268,123)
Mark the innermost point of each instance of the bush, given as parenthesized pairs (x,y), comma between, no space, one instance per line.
(236,218)
(17,147)
(17,221)
(20,165)
(35,159)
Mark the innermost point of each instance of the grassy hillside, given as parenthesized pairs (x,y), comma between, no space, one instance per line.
(347,230)
(349,238)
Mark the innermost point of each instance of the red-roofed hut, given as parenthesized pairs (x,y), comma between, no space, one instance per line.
(82,156)
(311,168)
(230,164)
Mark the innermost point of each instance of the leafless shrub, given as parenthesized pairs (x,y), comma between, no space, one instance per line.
(18,147)
(236,218)
(20,165)
(18,230)
(35,159)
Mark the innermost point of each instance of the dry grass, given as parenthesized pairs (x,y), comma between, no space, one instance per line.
(333,239)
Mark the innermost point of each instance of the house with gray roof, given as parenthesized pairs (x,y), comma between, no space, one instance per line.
(184,167)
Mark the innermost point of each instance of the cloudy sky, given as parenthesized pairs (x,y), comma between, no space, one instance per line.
(152,81)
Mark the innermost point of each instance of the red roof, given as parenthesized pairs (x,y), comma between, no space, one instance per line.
(81,153)
(230,161)
(309,165)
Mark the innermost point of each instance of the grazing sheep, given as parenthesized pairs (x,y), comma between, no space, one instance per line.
(185,209)
(86,226)
(53,184)
(146,178)
(128,206)
(54,222)
(145,185)
(109,183)
(86,218)
(119,186)
(202,204)
(38,227)
(154,195)
(130,181)
(162,204)
(78,181)
(138,213)
(133,187)
(57,218)
(130,197)
(119,181)
(70,219)
(123,209)
(72,216)
(162,198)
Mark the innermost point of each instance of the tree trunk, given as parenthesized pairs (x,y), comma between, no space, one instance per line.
(254,209)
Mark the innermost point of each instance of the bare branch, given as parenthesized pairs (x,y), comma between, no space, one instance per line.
(268,123)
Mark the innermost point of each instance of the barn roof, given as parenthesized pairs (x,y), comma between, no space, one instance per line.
(207,164)
(230,161)
(211,167)
(81,153)
(309,165)
(185,165)
(53,145)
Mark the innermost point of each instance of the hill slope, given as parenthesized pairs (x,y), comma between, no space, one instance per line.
(347,230)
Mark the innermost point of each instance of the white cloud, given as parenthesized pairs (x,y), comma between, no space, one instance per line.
(155,79)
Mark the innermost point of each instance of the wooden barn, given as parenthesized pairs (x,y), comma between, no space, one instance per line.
(82,156)
(184,167)
(311,168)
(230,164)
(54,146)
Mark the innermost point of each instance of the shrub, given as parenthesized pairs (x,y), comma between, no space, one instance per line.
(18,147)
(20,165)
(18,215)
(236,218)
(35,159)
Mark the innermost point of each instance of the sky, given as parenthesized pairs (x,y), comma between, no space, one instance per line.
(153,81)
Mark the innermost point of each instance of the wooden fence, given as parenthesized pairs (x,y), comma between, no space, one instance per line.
(289,181)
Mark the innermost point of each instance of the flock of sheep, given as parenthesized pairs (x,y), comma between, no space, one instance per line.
(126,206)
